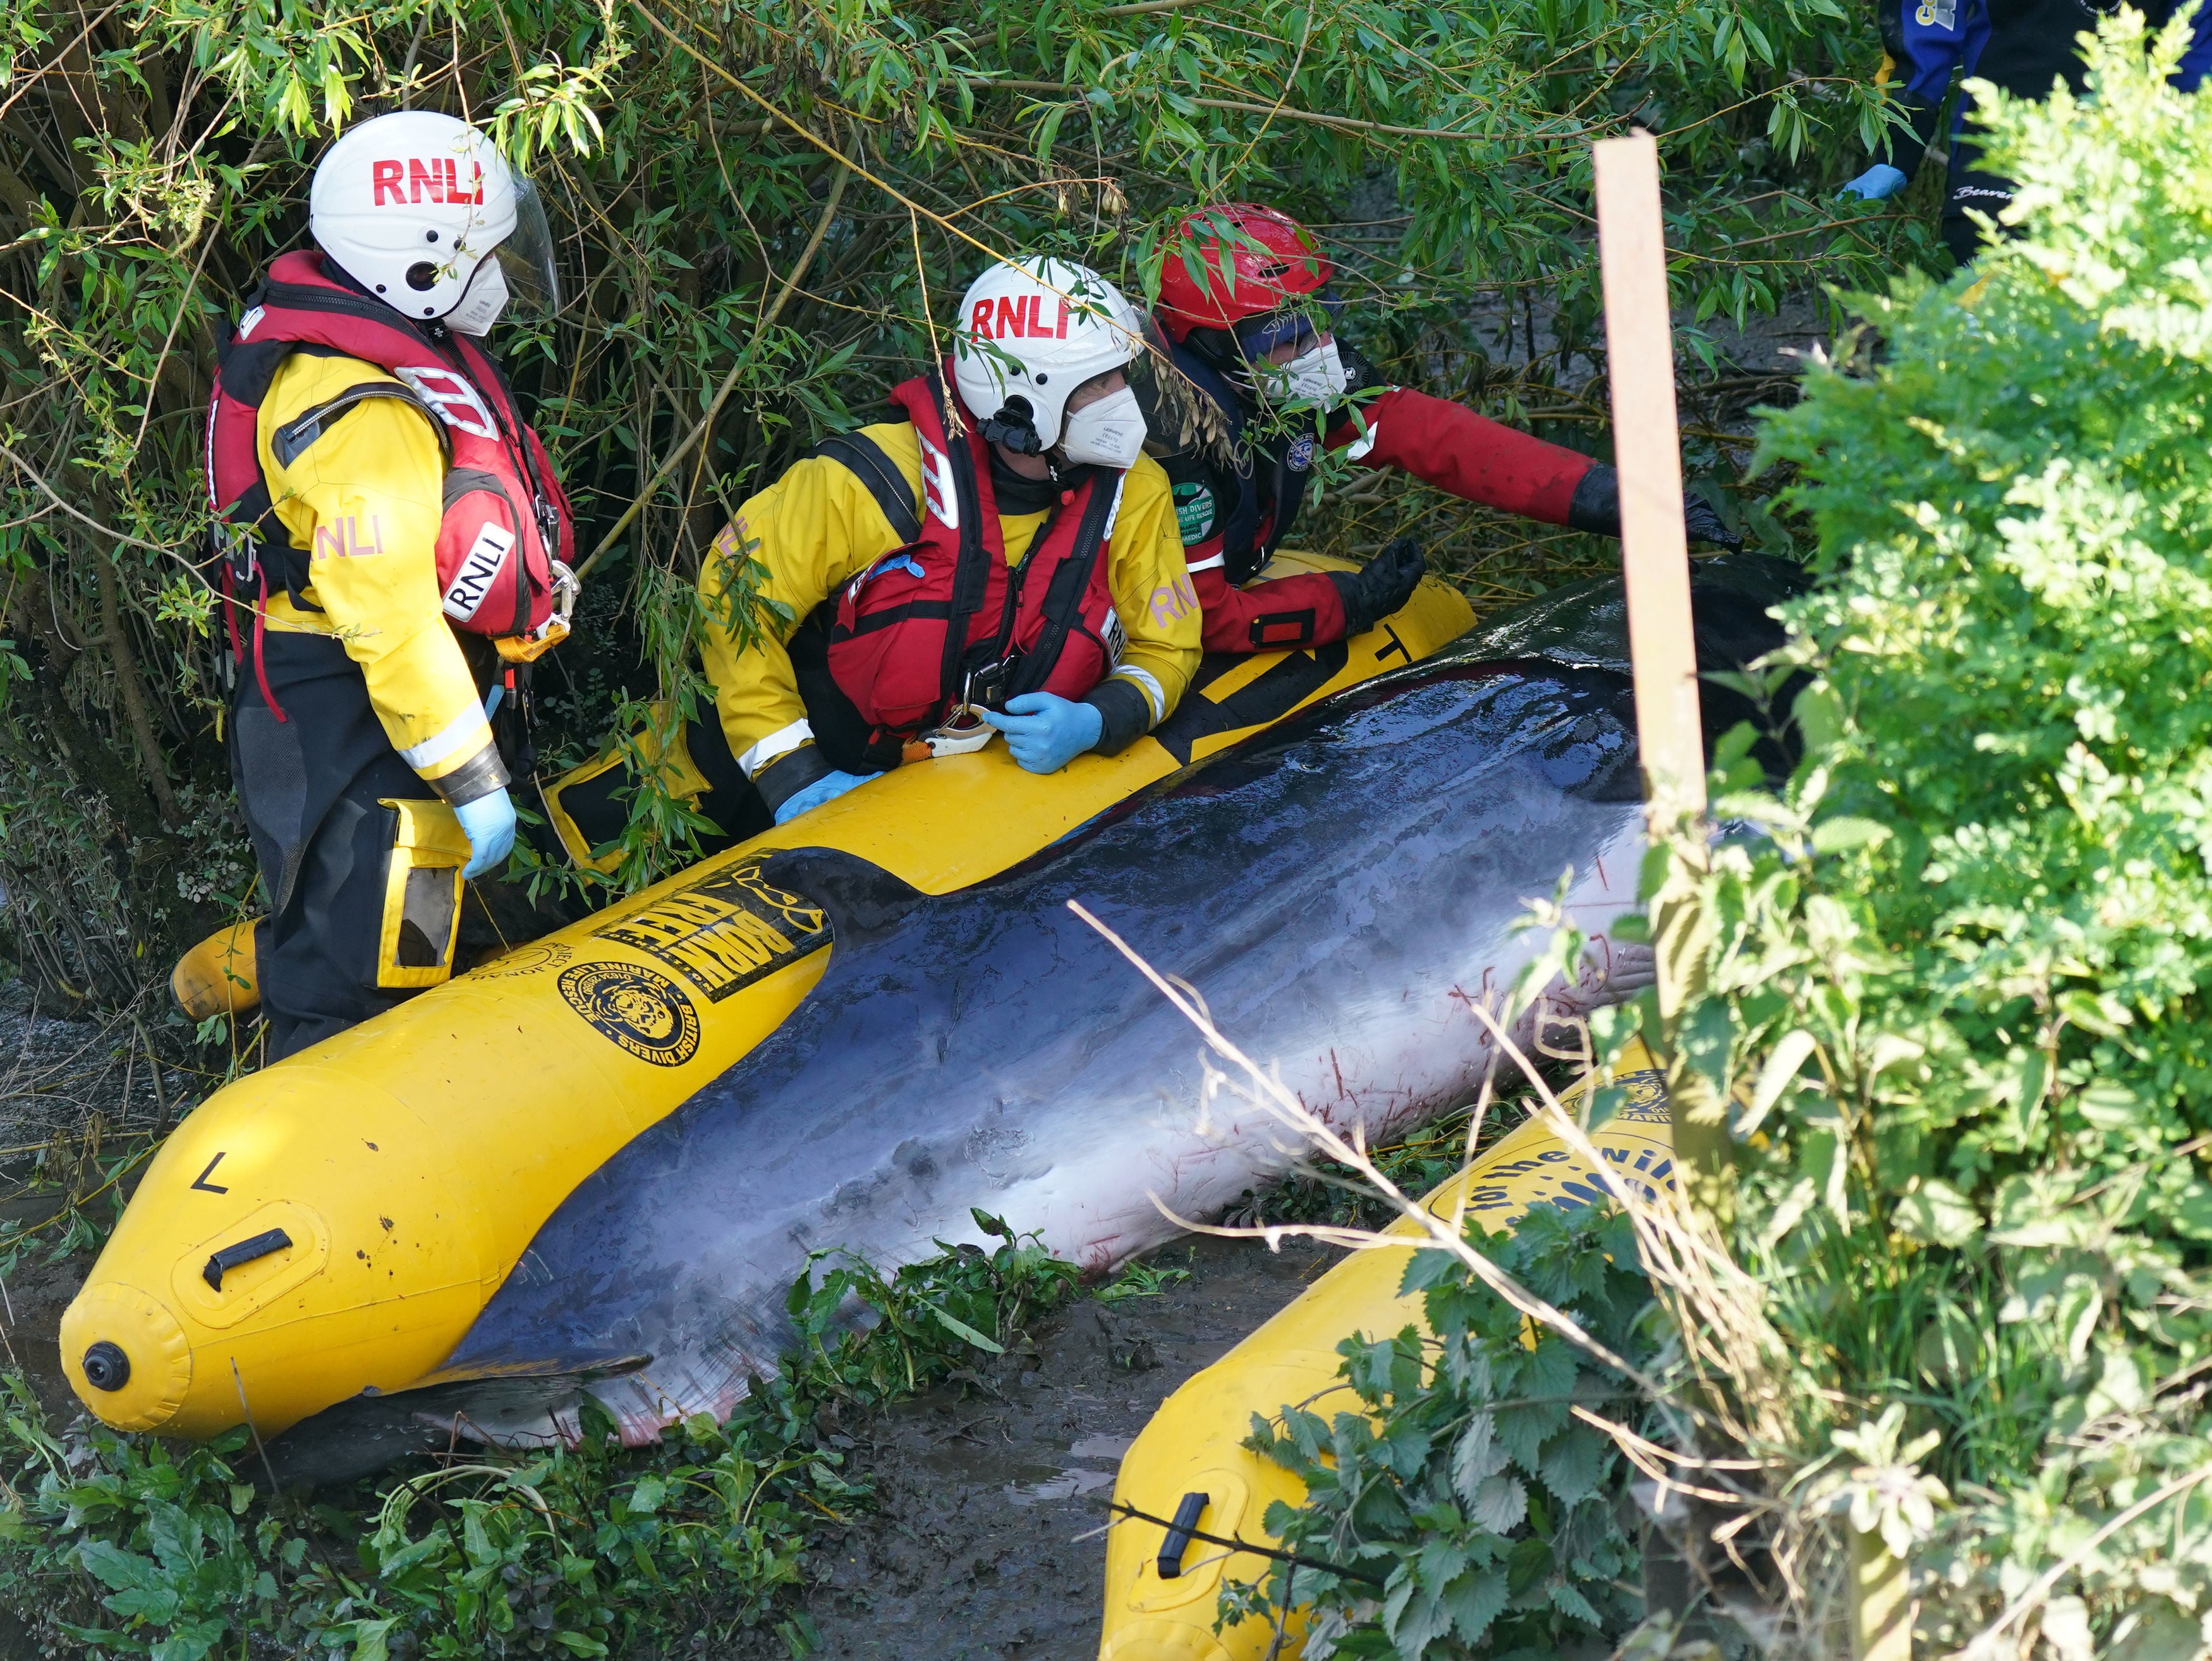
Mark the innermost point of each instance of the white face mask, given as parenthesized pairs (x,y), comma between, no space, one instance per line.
(1316,375)
(485,299)
(1109,433)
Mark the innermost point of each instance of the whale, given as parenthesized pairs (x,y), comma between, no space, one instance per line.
(1341,889)
(323,1232)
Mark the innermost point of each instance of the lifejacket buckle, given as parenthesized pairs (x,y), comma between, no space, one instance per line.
(528,648)
(962,732)
(237,547)
(986,687)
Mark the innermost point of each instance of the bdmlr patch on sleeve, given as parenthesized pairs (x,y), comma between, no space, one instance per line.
(1195,511)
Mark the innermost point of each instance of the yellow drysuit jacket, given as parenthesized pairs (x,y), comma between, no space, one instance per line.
(363,501)
(818,527)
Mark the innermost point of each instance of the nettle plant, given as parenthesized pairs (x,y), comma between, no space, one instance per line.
(1473,1511)
(1957,1000)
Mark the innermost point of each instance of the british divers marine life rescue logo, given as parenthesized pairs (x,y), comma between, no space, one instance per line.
(724,930)
(641,1010)
(1642,1097)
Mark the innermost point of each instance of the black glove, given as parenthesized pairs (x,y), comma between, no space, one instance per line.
(1380,587)
(1701,524)
(1596,509)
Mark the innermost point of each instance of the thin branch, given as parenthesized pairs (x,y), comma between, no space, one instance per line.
(54,496)
(1304,1120)
(1244,106)
(729,381)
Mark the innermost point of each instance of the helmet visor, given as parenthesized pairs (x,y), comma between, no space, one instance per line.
(526,253)
(1294,324)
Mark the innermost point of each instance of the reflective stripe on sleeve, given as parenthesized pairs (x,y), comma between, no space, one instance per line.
(1208,564)
(1359,446)
(782,742)
(1150,688)
(466,731)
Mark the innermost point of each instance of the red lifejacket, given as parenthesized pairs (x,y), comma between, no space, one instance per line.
(507,537)
(943,618)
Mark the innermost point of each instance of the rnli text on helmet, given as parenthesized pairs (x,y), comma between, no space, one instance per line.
(439,177)
(1019,317)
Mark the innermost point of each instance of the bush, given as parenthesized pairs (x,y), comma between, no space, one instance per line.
(154,157)
(1473,1511)
(1959,1003)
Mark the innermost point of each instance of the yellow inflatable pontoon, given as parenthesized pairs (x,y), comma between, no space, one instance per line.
(331,1226)
(1190,1464)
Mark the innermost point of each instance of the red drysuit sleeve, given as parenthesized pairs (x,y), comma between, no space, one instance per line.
(1300,611)
(1475,459)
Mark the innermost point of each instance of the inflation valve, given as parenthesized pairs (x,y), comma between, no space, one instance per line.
(105,1367)
(244,1252)
(1179,1532)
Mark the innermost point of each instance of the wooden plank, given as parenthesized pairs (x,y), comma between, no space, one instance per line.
(1662,646)
(1647,449)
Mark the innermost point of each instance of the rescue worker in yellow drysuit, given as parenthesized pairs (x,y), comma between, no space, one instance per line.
(1034,578)
(392,544)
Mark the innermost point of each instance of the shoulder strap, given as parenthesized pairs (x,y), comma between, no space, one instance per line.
(1070,582)
(971,577)
(1240,522)
(333,300)
(1290,495)
(862,457)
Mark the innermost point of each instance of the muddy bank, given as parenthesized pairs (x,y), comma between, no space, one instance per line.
(984,1541)
(984,1537)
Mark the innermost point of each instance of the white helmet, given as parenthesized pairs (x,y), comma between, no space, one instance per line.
(1029,335)
(413,206)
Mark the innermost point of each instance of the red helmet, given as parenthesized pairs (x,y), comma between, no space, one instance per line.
(1285,266)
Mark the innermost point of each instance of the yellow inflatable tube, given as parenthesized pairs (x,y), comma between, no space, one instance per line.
(333,1224)
(1193,1445)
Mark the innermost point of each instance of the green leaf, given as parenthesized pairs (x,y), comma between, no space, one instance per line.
(191,1642)
(1475,1457)
(1840,835)
(1475,1599)
(1573,1462)
(112,1566)
(1936,1214)
(1499,1504)
(1780,1071)
(960,1330)
(156,1604)
(2108,1105)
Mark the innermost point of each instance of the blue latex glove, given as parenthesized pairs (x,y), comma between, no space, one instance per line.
(489,823)
(1877,184)
(1046,732)
(828,788)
